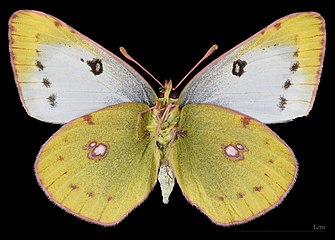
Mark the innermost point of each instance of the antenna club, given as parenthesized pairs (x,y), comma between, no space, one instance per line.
(126,55)
(214,47)
(124,52)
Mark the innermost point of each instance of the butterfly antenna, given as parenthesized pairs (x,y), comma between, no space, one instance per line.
(208,53)
(124,52)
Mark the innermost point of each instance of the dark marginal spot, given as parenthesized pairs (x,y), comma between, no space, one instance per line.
(89,194)
(258,188)
(46,82)
(96,66)
(89,119)
(73,187)
(57,23)
(238,67)
(277,25)
(221,198)
(294,67)
(287,84)
(52,100)
(240,195)
(39,66)
(245,121)
(282,103)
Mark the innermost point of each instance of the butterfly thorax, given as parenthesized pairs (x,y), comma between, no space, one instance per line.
(163,127)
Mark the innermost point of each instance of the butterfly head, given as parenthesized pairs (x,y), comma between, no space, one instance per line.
(167,92)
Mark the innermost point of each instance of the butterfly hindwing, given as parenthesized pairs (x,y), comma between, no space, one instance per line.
(97,169)
(61,74)
(273,76)
(232,167)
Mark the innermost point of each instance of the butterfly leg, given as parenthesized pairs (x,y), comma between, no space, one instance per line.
(139,119)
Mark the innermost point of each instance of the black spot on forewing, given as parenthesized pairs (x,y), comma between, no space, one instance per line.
(238,67)
(282,103)
(37,52)
(39,65)
(95,65)
(296,53)
(81,59)
(46,82)
(52,100)
(287,84)
(294,67)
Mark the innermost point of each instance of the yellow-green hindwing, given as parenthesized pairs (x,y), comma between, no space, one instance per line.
(96,168)
(232,167)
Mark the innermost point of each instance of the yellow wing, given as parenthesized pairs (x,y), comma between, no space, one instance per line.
(232,167)
(96,168)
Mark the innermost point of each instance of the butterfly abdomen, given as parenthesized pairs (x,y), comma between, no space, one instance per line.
(165,118)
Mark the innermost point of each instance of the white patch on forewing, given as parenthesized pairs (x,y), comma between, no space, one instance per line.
(166,180)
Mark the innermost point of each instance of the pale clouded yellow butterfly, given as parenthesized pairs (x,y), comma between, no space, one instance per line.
(120,138)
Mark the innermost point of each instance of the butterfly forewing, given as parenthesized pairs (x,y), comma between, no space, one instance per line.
(273,76)
(61,74)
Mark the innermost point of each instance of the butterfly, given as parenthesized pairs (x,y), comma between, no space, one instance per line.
(120,138)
